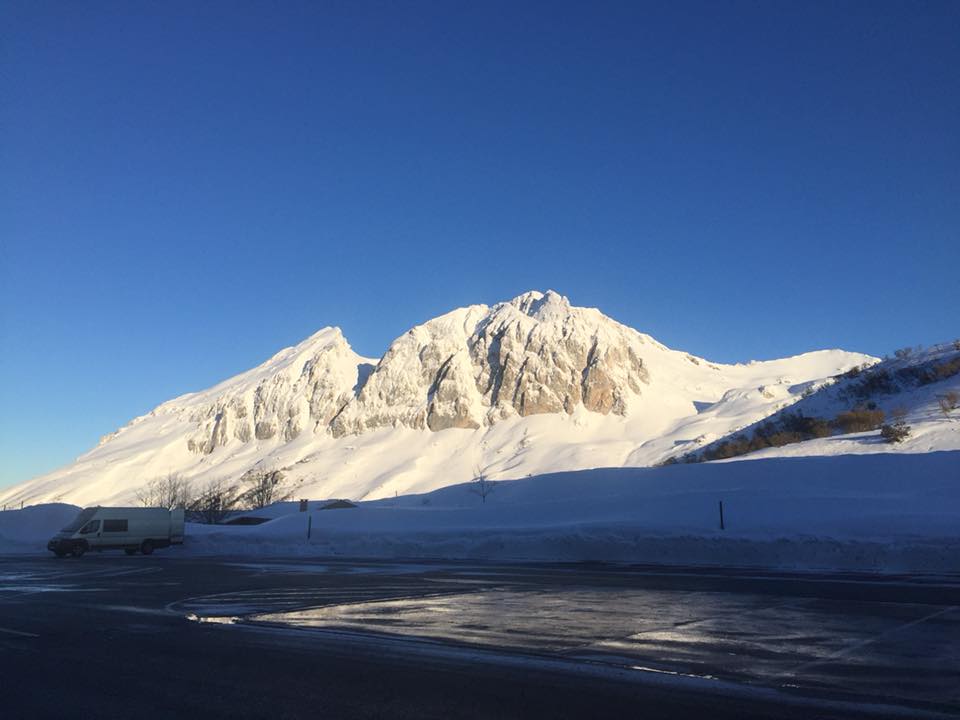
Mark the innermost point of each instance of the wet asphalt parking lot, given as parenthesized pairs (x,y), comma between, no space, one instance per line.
(162,636)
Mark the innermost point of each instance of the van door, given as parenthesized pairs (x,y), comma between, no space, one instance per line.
(91,533)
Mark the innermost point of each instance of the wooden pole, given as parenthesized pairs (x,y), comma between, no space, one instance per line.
(721,516)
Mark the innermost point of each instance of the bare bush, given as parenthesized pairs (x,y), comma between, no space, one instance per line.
(481,485)
(949,402)
(170,491)
(214,503)
(899,414)
(263,487)
(859,419)
(898,432)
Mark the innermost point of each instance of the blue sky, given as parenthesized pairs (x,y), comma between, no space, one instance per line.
(187,187)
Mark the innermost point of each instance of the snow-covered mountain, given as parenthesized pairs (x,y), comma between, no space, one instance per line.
(476,366)
(528,386)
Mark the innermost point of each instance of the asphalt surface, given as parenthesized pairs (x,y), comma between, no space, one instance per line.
(108,635)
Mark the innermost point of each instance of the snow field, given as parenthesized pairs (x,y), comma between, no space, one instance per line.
(889,512)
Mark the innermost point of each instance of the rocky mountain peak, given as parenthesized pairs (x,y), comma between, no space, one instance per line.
(544,307)
(475,366)
(299,388)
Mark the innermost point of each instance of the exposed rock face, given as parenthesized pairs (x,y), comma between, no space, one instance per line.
(425,373)
(300,388)
(467,369)
(474,366)
(539,355)
(449,398)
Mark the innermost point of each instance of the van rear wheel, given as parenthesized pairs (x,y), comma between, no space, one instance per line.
(146,547)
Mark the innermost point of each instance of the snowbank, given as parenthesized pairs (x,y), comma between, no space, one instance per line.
(889,512)
(29,529)
(880,512)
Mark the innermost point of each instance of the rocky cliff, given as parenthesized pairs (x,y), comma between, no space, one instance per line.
(472,367)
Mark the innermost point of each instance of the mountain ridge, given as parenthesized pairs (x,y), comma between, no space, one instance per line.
(526,385)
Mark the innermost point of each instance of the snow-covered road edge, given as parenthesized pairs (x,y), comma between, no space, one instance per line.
(604,544)
(882,512)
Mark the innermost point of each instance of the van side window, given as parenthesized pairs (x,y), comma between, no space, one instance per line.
(90,527)
(114,525)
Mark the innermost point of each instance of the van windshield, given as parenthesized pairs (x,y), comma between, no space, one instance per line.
(80,520)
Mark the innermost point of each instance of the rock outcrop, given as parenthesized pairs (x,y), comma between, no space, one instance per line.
(472,367)
(300,389)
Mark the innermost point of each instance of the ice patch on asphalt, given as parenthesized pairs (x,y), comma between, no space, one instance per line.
(213,619)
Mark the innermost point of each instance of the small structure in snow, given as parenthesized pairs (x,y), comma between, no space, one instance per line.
(338,505)
(247,520)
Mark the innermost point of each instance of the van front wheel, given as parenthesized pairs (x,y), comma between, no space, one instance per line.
(130,551)
(146,547)
(78,549)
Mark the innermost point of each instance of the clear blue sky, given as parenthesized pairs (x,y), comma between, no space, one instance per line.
(187,187)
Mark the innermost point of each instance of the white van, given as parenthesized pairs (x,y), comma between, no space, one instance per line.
(111,528)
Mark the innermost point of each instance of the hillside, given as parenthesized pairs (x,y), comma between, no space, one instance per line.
(916,389)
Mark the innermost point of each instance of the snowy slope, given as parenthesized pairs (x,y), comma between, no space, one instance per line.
(908,385)
(525,387)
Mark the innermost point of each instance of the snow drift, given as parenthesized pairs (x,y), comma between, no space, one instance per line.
(29,529)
